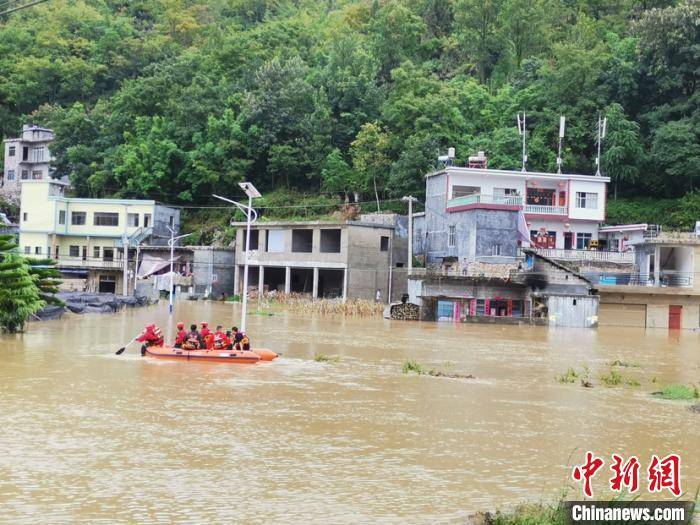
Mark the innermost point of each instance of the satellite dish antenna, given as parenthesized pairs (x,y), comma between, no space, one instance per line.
(602,125)
(562,127)
(522,132)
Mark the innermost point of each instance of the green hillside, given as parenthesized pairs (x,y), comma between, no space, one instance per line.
(176,99)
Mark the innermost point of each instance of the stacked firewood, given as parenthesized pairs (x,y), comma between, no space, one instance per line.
(405,312)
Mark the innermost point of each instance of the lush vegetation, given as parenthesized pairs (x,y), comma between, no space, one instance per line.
(675,391)
(176,99)
(20,293)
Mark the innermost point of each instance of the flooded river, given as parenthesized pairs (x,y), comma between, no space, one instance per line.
(90,437)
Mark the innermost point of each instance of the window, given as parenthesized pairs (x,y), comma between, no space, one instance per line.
(11,151)
(36,175)
(495,249)
(171,220)
(10,175)
(146,220)
(330,241)
(96,252)
(452,237)
(587,200)
(25,216)
(302,241)
(84,253)
(105,219)
(583,241)
(384,243)
(25,153)
(480,307)
(25,174)
(56,256)
(74,251)
(61,216)
(463,191)
(27,250)
(108,254)
(37,250)
(254,236)
(132,220)
(78,218)
(275,241)
(508,195)
(38,154)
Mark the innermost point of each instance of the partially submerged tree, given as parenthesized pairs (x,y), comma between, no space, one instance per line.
(19,293)
(48,279)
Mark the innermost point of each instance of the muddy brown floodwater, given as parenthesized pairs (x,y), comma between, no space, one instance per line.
(90,437)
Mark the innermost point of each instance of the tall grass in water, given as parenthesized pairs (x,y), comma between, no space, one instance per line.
(306,305)
(678,392)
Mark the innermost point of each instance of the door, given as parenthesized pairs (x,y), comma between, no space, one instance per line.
(674,317)
(568,240)
(107,284)
(445,310)
(628,315)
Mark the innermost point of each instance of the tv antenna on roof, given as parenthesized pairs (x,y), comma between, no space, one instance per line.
(522,131)
(602,125)
(562,126)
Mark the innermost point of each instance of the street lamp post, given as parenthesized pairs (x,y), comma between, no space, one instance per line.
(410,199)
(251,217)
(171,243)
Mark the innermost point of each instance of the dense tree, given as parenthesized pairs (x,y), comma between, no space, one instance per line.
(174,99)
(19,293)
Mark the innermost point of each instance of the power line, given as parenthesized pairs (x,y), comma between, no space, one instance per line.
(20,7)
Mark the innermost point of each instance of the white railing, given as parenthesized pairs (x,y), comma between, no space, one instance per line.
(587,255)
(89,262)
(480,198)
(545,210)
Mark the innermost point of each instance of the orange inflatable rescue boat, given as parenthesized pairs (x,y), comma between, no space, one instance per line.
(247,357)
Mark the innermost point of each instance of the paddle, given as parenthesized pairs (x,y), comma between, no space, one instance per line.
(121,350)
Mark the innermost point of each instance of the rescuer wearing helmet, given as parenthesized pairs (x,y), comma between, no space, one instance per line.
(181,335)
(151,336)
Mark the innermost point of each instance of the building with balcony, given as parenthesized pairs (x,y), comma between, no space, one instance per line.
(87,236)
(661,290)
(26,158)
(562,211)
(364,258)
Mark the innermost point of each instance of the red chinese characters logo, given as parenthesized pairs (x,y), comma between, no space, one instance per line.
(625,474)
(586,472)
(665,474)
(662,474)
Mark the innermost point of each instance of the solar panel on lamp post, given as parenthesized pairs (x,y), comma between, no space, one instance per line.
(251,217)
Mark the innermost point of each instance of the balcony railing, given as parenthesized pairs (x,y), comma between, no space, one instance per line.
(546,210)
(66,261)
(481,198)
(587,255)
(666,279)
(508,200)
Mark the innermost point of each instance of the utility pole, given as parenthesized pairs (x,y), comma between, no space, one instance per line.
(602,124)
(251,217)
(171,243)
(125,262)
(410,199)
(136,266)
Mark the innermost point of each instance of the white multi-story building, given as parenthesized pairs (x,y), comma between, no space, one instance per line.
(26,158)
(562,211)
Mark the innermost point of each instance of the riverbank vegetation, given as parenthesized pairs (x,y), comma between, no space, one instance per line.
(21,288)
(304,304)
(679,392)
(414,367)
(353,99)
